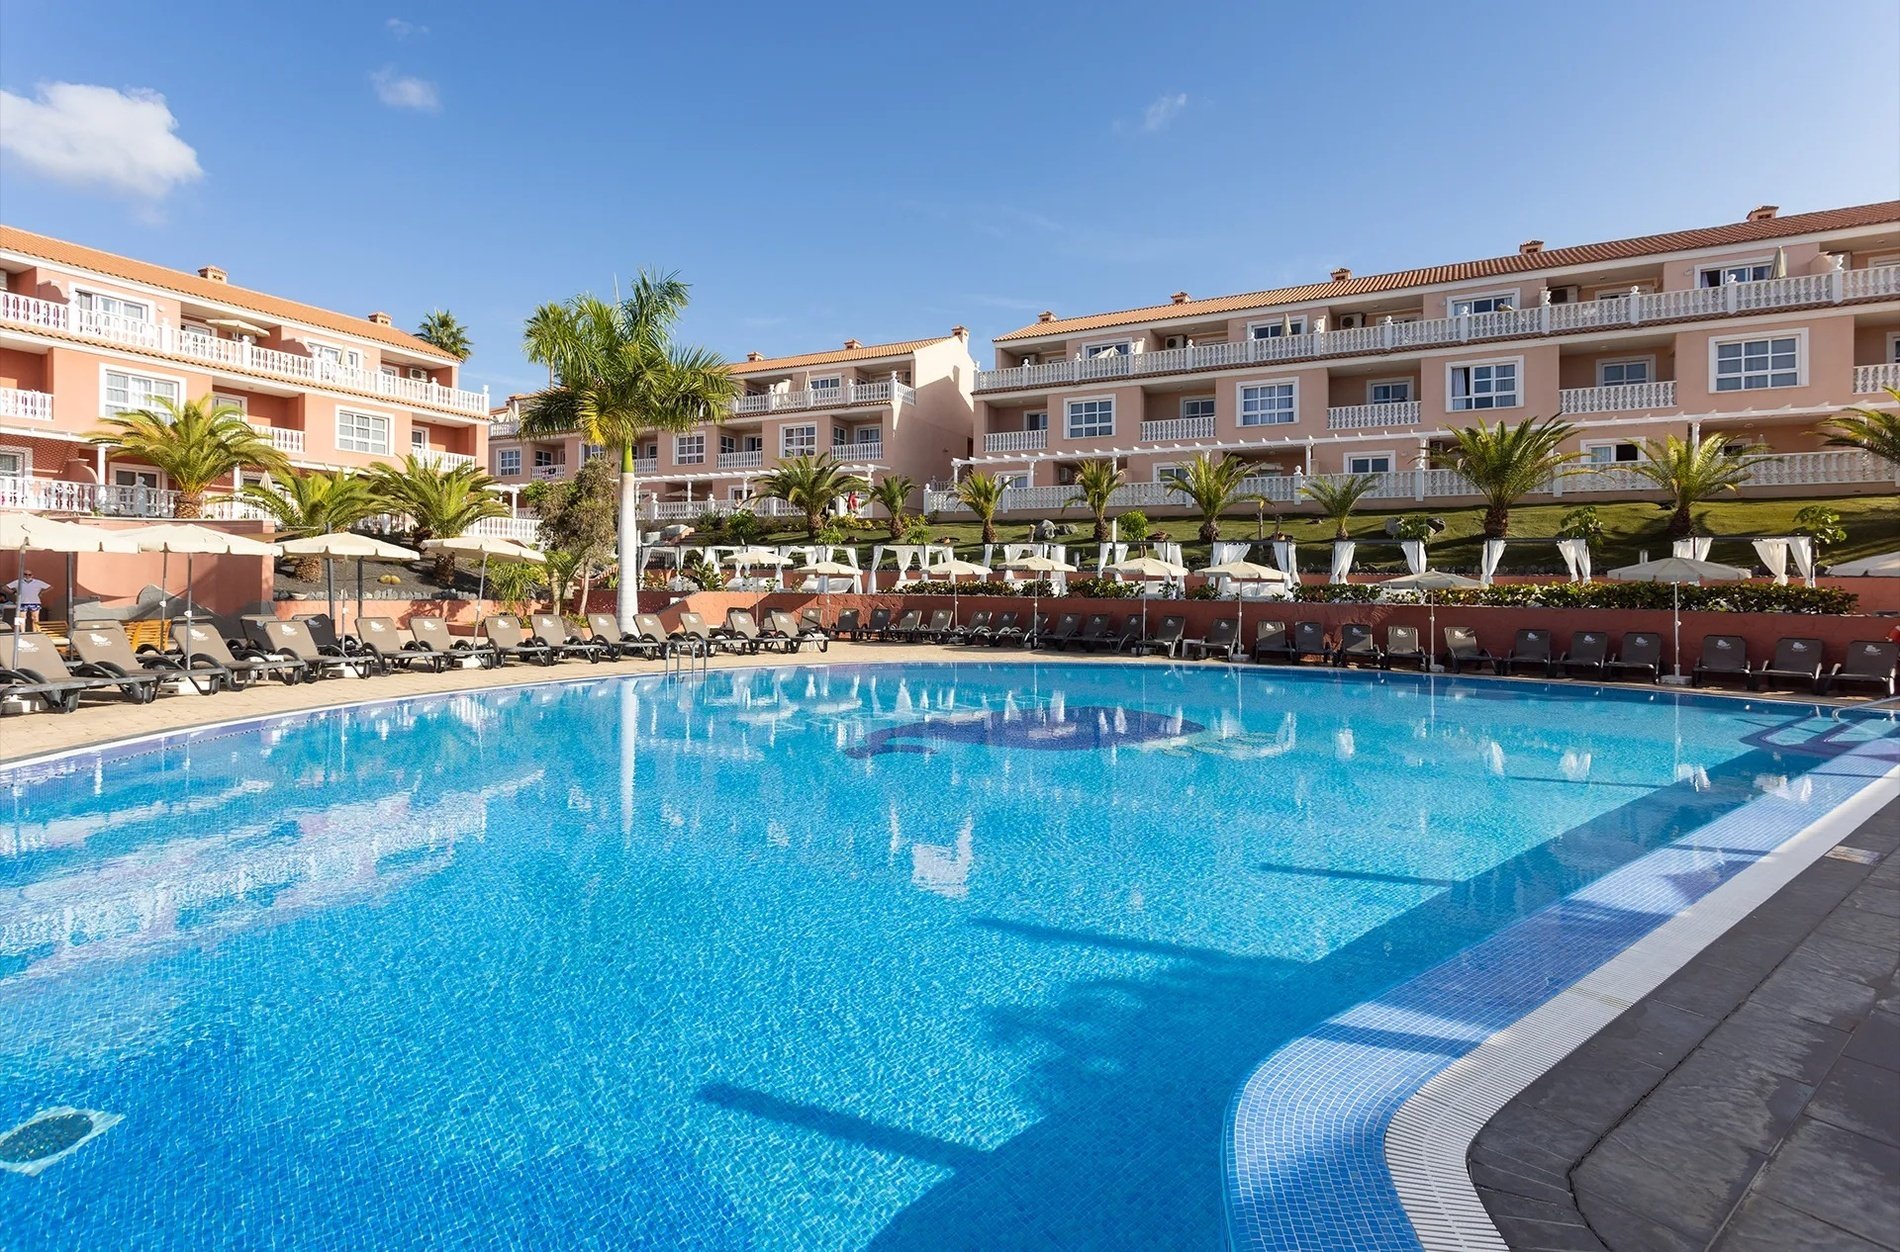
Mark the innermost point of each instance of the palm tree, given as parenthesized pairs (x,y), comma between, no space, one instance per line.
(443,330)
(1095,485)
(313,503)
(1211,487)
(440,503)
(617,376)
(893,492)
(1507,463)
(810,484)
(195,444)
(1876,431)
(1338,499)
(1691,473)
(982,494)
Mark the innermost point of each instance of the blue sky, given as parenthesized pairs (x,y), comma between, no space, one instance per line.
(886,171)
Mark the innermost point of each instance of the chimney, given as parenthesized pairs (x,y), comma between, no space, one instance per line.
(755,356)
(211,273)
(381,319)
(1530,247)
(1341,274)
(852,343)
(1763,212)
(960,332)
(1045,316)
(1179,297)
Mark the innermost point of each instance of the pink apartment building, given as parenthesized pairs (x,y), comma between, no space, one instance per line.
(878,409)
(85,333)
(1752,332)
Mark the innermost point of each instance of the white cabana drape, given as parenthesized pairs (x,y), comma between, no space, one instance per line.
(1801,548)
(989,550)
(1342,559)
(1488,560)
(1169,552)
(1224,550)
(1774,554)
(1696,548)
(1414,552)
(1576,555)
(1284,552)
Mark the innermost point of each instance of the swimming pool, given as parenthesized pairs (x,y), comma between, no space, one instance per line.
(969,955)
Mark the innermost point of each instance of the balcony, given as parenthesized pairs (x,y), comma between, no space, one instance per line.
(1622,398)
(283,438)
(1016,441)
(1370,416)
(56,495)
(754,459)
(558,470)
(1868,379)
(25,406)
(504,427)
(646,465)
(162,337)
(1175,429)
(524,529)
(863,452)
(824,398)
(1636,309)
(443,460)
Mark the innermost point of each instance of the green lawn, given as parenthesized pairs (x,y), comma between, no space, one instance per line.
(1872,523)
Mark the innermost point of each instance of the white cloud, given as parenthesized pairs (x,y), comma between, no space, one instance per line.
(404,30)
(401,91)
(90,136)
(1159,115)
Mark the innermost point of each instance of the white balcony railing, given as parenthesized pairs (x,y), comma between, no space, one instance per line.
(557,470)
(282,438)
(1170,429)
(154,336)
(1364,416)
(525,529)
(444,460)
(751,459)
(862,452)
(825,397)
(1638,308)
(1621,398)
(25,406)
(54,495)
(504,427)
(1015,440)
(645,465)
(1872,379)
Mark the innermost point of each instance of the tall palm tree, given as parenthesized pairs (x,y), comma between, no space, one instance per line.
(1095,485)
(982,494)
(195,444)
(1337,500)
(440,503)
(1692,473)
(313,503)
(442,329)
(1507,463)
(1211,487)
(892,493)
(809,484)
(617,376)
(1872,430)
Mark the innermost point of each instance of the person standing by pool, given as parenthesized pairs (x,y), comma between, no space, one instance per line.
(25,591)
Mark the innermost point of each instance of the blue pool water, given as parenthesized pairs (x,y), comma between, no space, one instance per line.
(967,956)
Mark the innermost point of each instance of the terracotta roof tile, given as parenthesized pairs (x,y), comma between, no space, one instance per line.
(60,252)
(839,356)
(1516,263)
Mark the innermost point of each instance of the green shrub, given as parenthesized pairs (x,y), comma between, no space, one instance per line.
(1582,523)
(1720,598)
(1132,526)
(1338,593)
(742,526)
(916,530)
(1103,589)
(1821,524)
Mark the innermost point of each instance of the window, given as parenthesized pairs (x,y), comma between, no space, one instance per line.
(1267,404)
(1611,453)
(508,461)
(112,306)
(1745,272)
(1369,463)
(1198,406)
(1013,481)
(1752,364)
(220,399)
(1619,373)
(545,457)
(689,449)
(1893,349)
(1489,386)
(1490,302)
(330,358)
(125,392)
(832,385)
(870,434)
(1169,471)
(797,440)
(1035,421)
(418,438)
(362,432)
(840,436)
(1121,347)
(649,452)
(1090,418)
(1277,329)
(390,371)
(14,463)
(1389,391)
(148,479)
(727,444)
(753,443)
(591,450)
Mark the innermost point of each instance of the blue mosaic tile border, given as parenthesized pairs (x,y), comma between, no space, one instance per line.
(1305,1148)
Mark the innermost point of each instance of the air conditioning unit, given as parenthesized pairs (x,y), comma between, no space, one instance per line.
(1351,321)
(1174,341)
(418,373)
(1563,295)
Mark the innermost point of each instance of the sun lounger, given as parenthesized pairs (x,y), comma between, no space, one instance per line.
(1723,656)
(878,627)
(34,659)
(1869,663)
(651,633)
(742,630)
(1131,639)
(787,629)
(1529,648)
(103,645)
(1167,638)
(811,622)
(973,631)
(323,630)
(1309,639)
(382,639)
(1270,642)
(292,639)
(1357,646)
(1640,652)
(1221,640)
(605,629)
(505,634)
(433,632)
(1093,635)
(1796,661)
(58,695)
(1402,648)
(846,627)
(1060,634)
(1038,627)
(908,626)
(1007,630)
(694,631)
(240,660)
(1461,649)
(941,620)
(552,629)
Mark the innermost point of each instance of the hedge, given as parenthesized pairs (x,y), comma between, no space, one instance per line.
(1721,598)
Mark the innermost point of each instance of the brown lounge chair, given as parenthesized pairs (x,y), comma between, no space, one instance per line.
(976,630)
(240,660)
(33,662)
(1796,661)
(382,639)
(1166,639)
(905,629)
(1640,652)
(1270,642)
(104,646)
(1309,640)
(292,639)
(1869,662)
(1132,635)
(606,632)
(1723,656)
(552,629)
(1093,635)
(1222,640)
(1401,647)
(506,636)
(846,627)
(1356,644)
(1530,647)
(1461,649)
(433,633)
(1063,631)
(651,630)
(694,633)
(788,629)
(1589,651)
(941,620)
(742,634)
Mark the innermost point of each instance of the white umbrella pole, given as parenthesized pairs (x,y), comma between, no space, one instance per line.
(1431,633)
(1675,590)
(357,625)
(187,597)
(329,589)
(481,586)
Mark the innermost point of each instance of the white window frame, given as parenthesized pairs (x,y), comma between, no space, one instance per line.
(1717,267)
(159,476)
(99,293)
(1881,259)
(418,438)
(682,455)
(24,453)
(591,450)
(1010,480)
(1410,385)
(1167,471)
(866,434)
(1517,396)
(176,380)
(1590,445)
(1272,325)
(1893,342)
(347,357)
(1616,291)
(241,403)
(1068,417)
(1800,337)
(1240,401)
(502,456)
(389,431)
(1391,461)
(1511,296)
(1092,350)
(1212,403)
(1028,424)
(805,449)
(1647,362)
(826,382)
(553,455)
(728,444)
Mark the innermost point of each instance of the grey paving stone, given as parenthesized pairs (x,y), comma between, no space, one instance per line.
(1523,1160)
(1862,1098)
(1627,1230)
(1762,1225)
(1714,1098)
(1845,925)
(1779,1042)
(1820,997)
(1876,1040)
(1691,1197)
(1534,1236)
(1528,1185)
(1654,1033)
(1878,899)
(1594,1090)
(1844,1179)
(1709,989)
